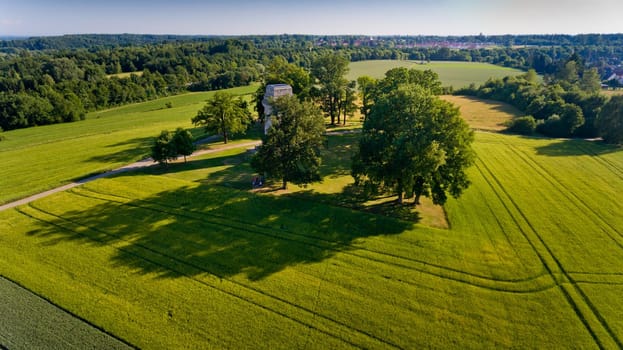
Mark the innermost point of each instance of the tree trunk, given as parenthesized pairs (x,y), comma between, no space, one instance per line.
(225,136)
(417,199)
(184,158)
(400,197)
(284,186)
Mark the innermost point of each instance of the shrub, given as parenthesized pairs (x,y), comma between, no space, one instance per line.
(522,125)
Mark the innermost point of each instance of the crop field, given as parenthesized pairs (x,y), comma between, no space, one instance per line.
(192,257)
(39,158)
(455,74)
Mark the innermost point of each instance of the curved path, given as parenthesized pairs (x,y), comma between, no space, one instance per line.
(137,165)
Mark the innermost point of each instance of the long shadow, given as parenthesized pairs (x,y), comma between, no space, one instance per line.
(215,225)
(337,149)
(576,147)
(140,148)
(212,229)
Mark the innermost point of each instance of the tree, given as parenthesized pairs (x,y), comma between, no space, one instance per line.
(183,141)
(223,114)
(568,73)
(522,125)
(347,103)
(590,81)
(413,143)
(279,71)
(563,124)
(329,71)
(366,87)
(290,151)
(610,121)
(163,149)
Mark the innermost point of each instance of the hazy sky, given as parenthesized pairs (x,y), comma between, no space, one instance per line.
(373,17)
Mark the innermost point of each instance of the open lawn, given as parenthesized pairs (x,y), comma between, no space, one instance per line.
(455,74)
(191,257)
(39,158)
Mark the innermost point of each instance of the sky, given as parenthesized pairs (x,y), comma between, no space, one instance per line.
(323,17)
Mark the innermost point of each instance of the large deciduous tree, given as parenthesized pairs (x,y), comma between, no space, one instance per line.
(329,71)
(163,149)
(183,141)
(224,114)
(413,143)
(290,151)
(610,121)
(366,86)
(279,71)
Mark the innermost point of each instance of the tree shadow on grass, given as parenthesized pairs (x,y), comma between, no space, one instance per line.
(355,198)
(576,147)
(210,229)
(137,148)
(337,149)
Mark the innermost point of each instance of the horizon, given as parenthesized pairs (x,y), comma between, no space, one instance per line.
(29,18)
(25,37)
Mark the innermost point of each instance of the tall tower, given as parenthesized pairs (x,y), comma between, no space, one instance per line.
(273,91)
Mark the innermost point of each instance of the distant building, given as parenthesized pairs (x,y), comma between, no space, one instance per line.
(617,77)
(273,91)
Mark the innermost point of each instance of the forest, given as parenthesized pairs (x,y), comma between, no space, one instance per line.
(45,80)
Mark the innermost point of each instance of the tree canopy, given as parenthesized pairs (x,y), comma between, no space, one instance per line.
(290,151)
(610,121)
(163,149)
(224,114)
(183,141)
(413,143)
(329,71)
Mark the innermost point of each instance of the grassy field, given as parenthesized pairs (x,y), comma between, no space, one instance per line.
(191,257)
(484,114)
(612,92)
(124,75)
(36,159)
(455,74)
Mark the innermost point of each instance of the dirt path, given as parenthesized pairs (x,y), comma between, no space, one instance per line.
(137,165)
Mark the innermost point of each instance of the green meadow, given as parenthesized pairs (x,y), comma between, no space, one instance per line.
(40,158)
(192,257)
(455,74)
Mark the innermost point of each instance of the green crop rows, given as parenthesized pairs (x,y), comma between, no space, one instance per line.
(190,257)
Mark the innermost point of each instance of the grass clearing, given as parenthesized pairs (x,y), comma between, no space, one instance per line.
(124,75)
(611,93)
(484,114)
(191,257)
(40,158)
(455,74)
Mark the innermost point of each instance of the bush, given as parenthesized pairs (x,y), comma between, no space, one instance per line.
(553,127)
(522,125)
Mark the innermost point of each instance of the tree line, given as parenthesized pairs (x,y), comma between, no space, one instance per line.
(60,79)
(568,103)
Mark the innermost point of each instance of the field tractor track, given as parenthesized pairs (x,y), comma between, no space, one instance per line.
(580,310)
(524,285)
(615,168)
(571,196)
(141,251)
